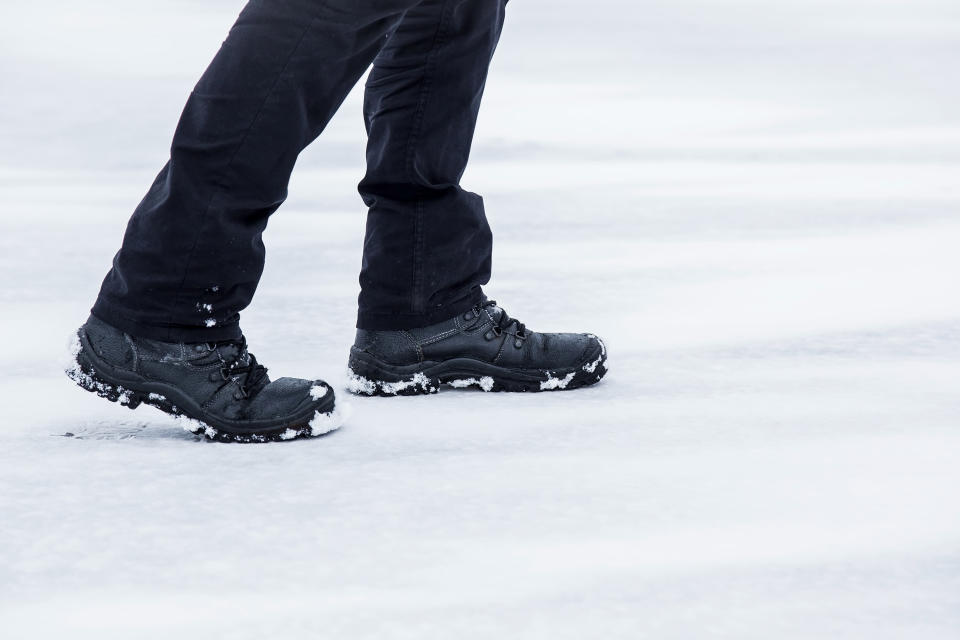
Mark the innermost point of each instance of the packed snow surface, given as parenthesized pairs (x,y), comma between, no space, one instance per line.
(755,204)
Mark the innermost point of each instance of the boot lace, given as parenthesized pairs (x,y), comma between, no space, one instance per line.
(504,321)
(239,362)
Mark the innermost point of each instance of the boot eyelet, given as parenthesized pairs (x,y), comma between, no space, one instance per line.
(488,335)
(518,343)
(199,348)
(224,373)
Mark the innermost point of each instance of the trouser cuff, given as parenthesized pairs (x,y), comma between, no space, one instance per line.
(396,321)
(164,332)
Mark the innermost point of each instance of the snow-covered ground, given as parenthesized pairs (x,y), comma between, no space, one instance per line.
(756,204)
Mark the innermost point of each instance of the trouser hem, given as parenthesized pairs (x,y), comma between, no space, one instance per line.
(164,332)
(396,321)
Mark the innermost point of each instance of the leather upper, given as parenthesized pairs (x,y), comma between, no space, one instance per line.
(204,373)
(477,334)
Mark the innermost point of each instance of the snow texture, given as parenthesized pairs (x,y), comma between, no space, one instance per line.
(591,366)
(557,383)
(484,382)
(317,391)
(195,426)
(76,373)
(755,204)
(323,423)
(359,384)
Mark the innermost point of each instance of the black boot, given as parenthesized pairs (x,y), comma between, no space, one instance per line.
(218,390)
(482,347)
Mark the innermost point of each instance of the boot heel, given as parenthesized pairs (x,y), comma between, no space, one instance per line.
(368,378)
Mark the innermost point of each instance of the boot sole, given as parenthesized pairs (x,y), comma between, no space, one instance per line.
(369,376)
(128,389)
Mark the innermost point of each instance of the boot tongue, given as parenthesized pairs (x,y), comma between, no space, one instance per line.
(236,356)
(234,353)
(503,320)
(495,312)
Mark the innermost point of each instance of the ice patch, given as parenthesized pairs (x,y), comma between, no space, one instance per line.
(289,434)
(485,383)
(556,383)
(317,391)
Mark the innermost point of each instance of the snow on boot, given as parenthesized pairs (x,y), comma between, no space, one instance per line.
(217,390)
(483,347)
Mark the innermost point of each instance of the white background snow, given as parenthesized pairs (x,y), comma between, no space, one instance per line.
(756,204)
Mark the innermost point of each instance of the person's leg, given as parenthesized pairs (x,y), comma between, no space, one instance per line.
(192,254)
(164,330)
(427,247)
(423,319)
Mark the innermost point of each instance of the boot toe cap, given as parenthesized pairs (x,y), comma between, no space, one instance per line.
(291,396)
(564,350)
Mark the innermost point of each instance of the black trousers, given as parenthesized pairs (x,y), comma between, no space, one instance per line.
(193,252)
